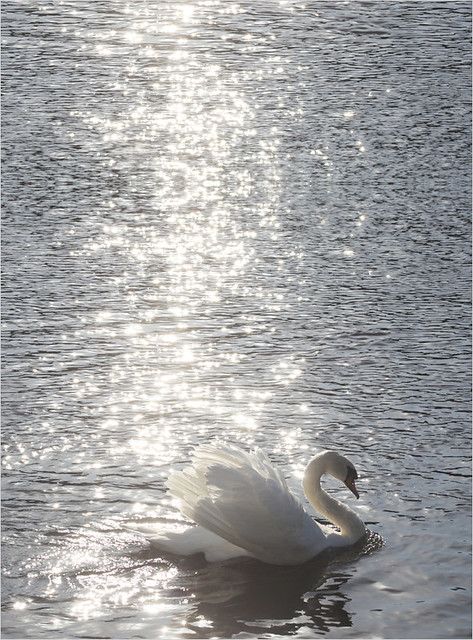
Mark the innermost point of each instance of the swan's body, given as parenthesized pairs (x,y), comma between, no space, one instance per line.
(243,507)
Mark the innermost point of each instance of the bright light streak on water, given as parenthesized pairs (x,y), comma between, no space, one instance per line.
(246,221)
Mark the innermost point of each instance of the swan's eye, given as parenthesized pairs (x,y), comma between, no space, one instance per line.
(350,480)
(351,474)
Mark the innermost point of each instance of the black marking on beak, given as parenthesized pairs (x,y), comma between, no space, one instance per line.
(350,481)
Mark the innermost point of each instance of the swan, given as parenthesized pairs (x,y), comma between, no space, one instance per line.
(243,507)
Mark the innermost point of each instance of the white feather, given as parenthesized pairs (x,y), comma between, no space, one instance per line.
(243,499)
(243,507)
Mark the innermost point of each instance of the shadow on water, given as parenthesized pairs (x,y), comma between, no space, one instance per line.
(247,595)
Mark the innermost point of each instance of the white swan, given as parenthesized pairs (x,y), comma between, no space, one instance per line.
(243,507)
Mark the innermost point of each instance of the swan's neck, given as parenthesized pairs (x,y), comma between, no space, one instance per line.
(351,526)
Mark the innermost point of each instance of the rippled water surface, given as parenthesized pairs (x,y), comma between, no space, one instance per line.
(248,221)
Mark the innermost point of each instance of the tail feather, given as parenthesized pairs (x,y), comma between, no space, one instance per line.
(195,540)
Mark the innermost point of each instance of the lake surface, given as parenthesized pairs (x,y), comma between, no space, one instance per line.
(248,221)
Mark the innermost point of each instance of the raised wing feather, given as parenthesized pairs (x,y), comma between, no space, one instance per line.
(241,497)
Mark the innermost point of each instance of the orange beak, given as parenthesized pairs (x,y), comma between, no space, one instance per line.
(352,486)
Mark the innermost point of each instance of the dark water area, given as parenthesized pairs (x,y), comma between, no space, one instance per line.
(249,221)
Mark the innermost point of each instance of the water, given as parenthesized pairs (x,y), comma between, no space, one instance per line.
(247,221)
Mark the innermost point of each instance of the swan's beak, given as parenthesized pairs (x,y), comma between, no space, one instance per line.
(352,486)
(350,481)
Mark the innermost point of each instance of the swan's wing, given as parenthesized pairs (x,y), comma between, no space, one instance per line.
(241,497)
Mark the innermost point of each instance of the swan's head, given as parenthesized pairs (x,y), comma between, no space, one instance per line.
(339,467)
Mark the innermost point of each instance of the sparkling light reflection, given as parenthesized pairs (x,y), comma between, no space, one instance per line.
(221,239)
(182,262)
(207,253)
(183,245)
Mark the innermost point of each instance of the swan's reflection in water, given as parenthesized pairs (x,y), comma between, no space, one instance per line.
(268,597)
(248,595)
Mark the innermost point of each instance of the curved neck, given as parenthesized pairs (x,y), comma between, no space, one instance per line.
(351,526)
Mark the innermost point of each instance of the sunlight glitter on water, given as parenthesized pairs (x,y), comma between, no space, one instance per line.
(232,233)
(206,251)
